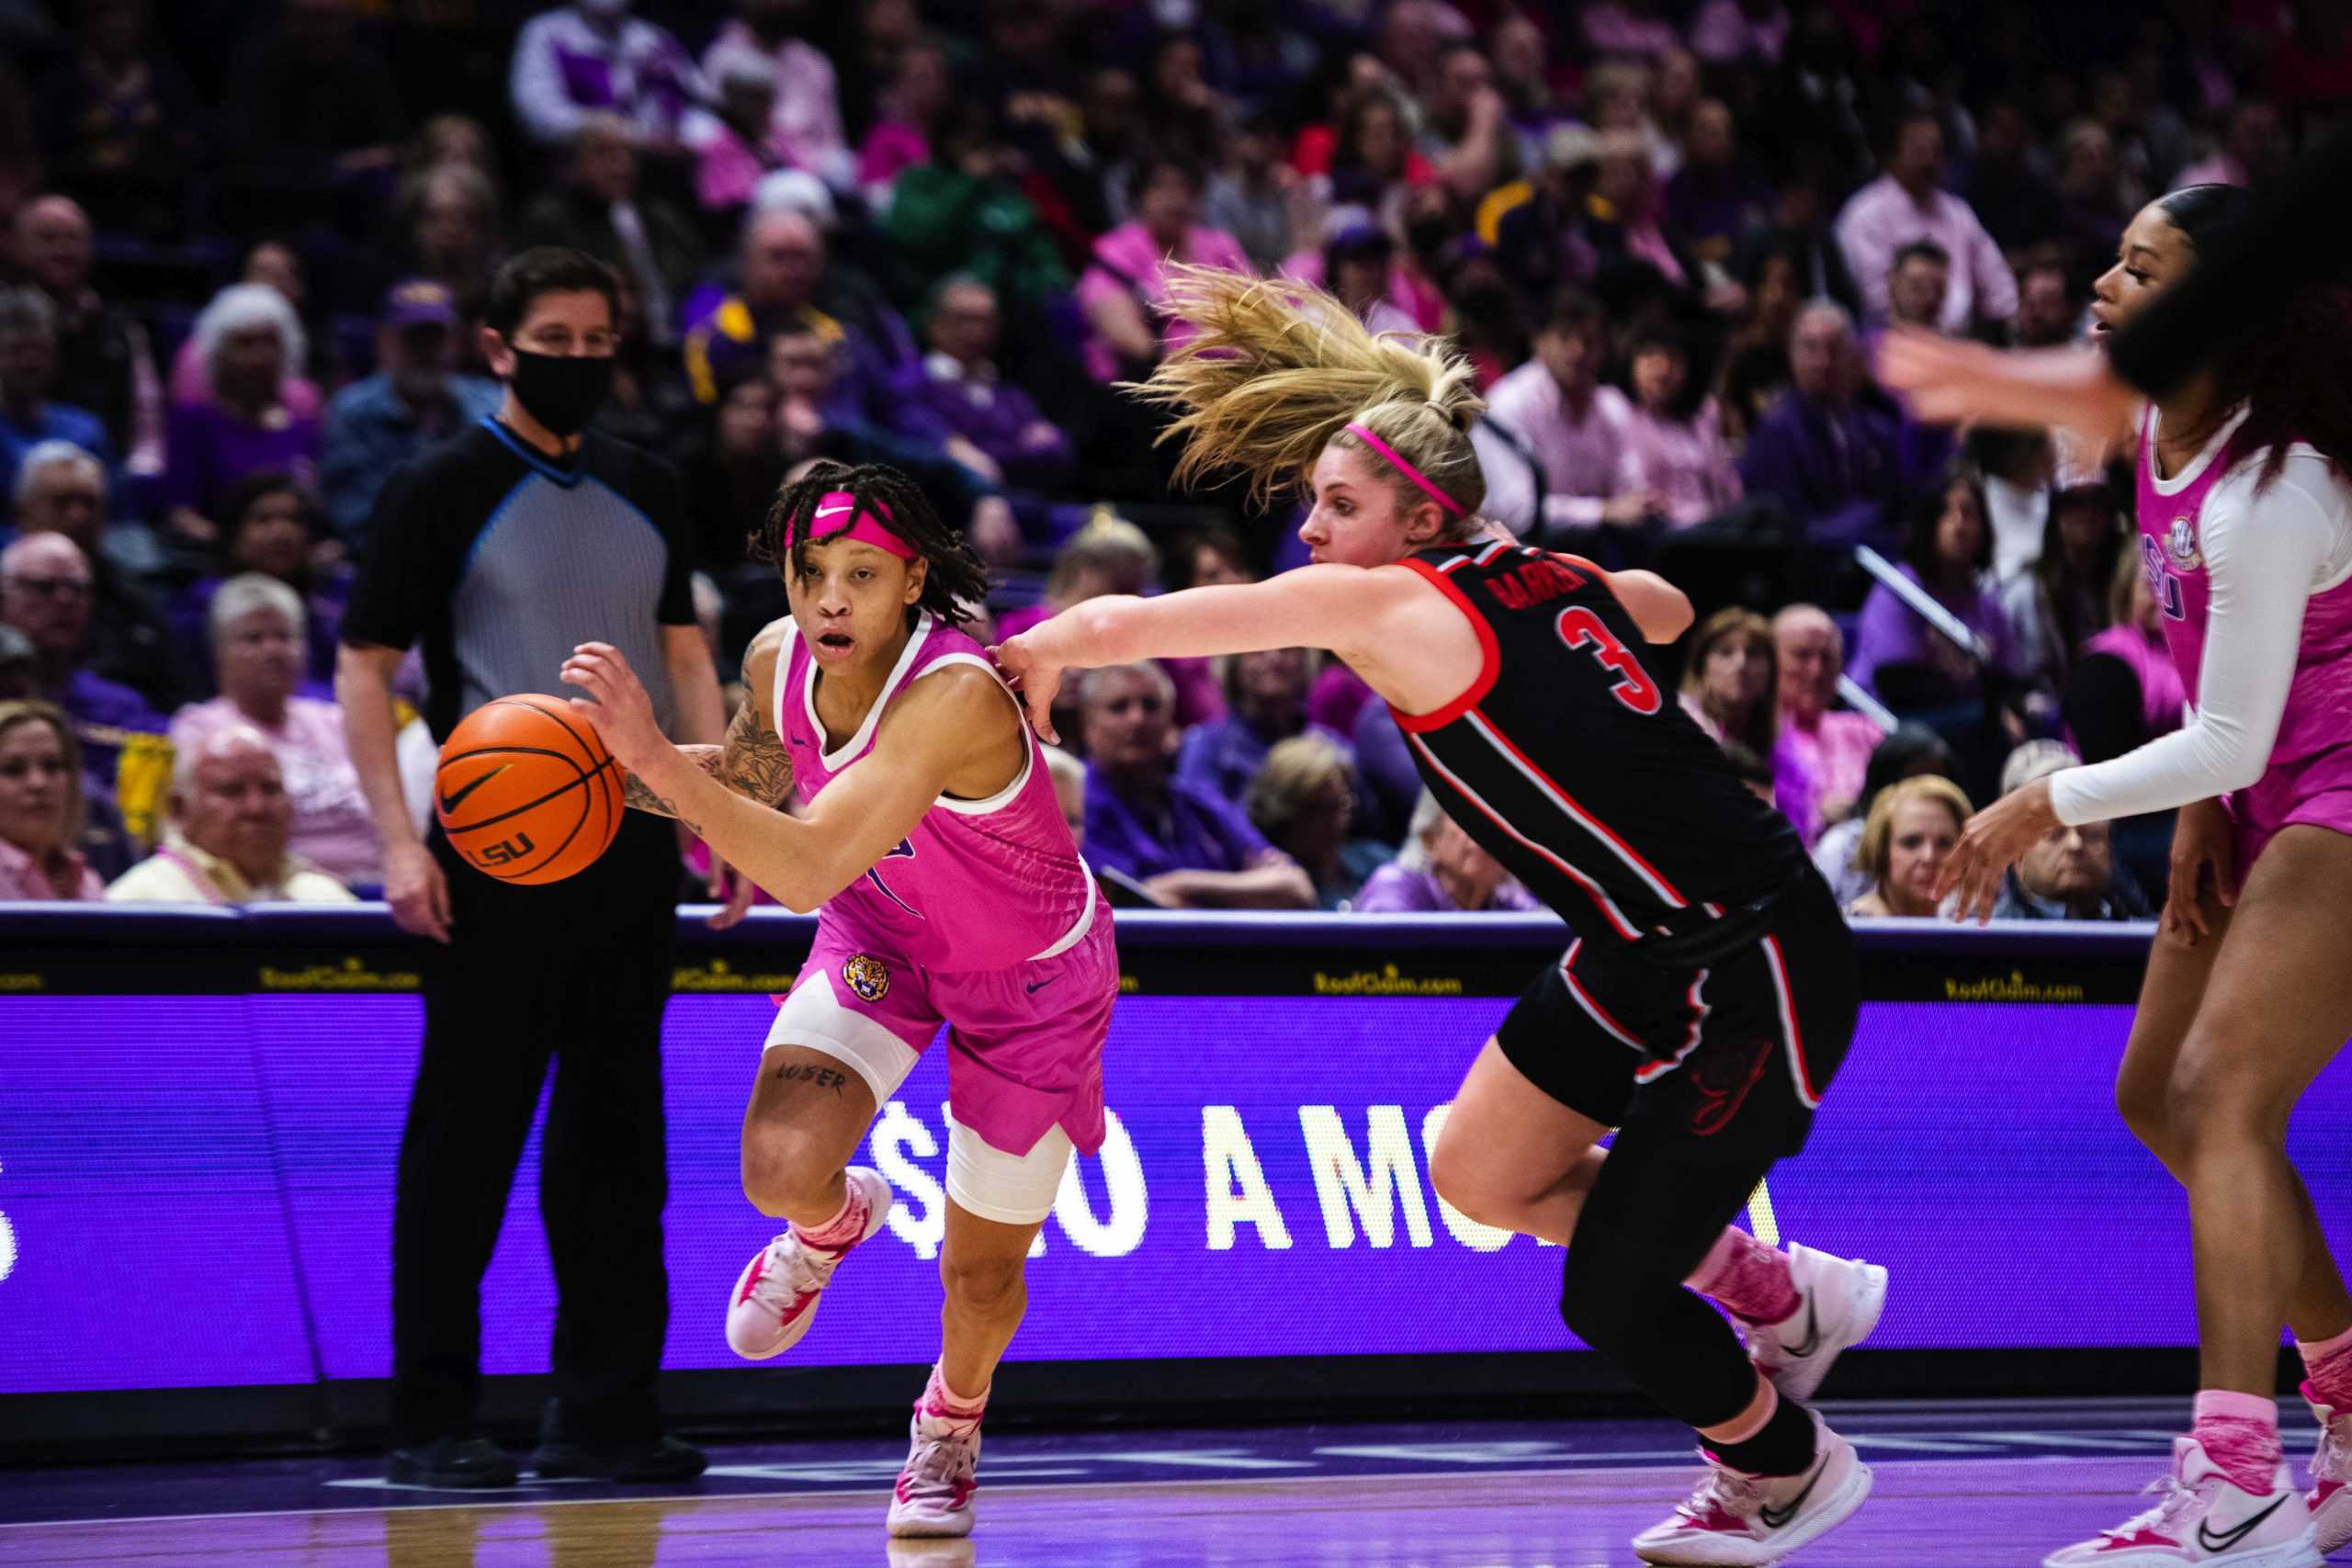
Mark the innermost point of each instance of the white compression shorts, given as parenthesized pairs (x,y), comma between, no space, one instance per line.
(1011,1189)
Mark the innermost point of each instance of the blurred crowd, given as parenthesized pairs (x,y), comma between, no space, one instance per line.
(244,247)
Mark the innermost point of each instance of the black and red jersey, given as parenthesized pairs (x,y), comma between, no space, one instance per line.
(1572,762)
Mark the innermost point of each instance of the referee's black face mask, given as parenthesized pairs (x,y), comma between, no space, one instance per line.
(562,392)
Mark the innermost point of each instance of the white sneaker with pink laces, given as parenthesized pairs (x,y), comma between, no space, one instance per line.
(2330,1502)
(775,1296)
(2203,1517)
(933,1497)
(1838,1303)
(1736,1520)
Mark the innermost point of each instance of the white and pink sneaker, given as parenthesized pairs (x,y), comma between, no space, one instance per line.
(933,1497)
(775,1296)
(2203,1517)
(2330,1503)
(1740,1520)
(1838,1303)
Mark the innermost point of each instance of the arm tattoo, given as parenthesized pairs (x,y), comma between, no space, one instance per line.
(637,793)
(756,763)
(753,762)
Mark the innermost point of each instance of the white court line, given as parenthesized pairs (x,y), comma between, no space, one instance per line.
(868,1493)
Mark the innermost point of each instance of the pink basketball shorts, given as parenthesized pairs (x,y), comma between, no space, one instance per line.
(1024,1043)
(2313,791)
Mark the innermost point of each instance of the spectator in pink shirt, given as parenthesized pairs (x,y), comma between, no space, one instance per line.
(900,135)
(807,114)
(40,808)
(2254,148)
(1907,204)
(1732,32)
(1820,756)
(1630,28)
(258,648)
(1675,436)
(1121,291)
(741,146)
(1564,461)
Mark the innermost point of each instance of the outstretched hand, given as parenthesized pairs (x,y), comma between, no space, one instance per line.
(1992,842)
(1036,681)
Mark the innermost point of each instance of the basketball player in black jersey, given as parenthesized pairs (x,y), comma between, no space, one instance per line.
(1711,989)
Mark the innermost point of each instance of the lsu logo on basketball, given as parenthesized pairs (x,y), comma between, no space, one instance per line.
(505,853)
(868,977)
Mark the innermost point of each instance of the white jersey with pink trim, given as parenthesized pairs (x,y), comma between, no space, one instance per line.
(979,884)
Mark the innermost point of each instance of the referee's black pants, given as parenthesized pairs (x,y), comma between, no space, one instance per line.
(577,973)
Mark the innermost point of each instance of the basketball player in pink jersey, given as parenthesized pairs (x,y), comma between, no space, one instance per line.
(931,843)
(2244,500)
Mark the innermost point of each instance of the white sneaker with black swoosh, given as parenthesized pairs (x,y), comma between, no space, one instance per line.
(2203,1517)
(1839,1300)
(1738,1520)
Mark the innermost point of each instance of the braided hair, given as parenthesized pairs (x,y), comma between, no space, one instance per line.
(956,580)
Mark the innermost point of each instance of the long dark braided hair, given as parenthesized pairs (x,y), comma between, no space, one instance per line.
(956,580)
(2291,374)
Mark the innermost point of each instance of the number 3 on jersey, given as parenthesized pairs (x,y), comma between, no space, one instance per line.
(1579,627)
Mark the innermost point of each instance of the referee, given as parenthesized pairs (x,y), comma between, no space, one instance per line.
(499,551)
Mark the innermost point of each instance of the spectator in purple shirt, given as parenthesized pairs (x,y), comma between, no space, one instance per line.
(1833,462)
(249,341)
(46,592)
(1916,286)
(1186,847)
(1265,698)
(1441,870)
(1950,554)
(1717,197)
(572,61)
(959,384)
(270,524)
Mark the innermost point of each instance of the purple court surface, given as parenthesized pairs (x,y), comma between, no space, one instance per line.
(1958,1486)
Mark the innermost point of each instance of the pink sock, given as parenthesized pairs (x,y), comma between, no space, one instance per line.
(844,1228)
(2328,1365)
(1747,1278)
(940,1400)
(2240,1434)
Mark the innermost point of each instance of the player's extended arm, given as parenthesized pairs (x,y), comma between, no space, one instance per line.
(754,761)
(1361,615)
(864,812)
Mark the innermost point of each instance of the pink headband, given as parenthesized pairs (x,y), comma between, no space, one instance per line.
(866,527)
(1406,468)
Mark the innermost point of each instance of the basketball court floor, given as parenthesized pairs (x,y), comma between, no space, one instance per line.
(1958,1486)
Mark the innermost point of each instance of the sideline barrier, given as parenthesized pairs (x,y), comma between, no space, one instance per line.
(203,1108)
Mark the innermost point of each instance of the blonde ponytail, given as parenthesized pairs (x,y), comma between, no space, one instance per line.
(1277,370)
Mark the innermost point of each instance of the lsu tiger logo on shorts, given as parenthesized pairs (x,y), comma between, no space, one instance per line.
(868,977)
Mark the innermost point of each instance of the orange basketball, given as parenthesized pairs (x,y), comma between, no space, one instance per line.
(526,791)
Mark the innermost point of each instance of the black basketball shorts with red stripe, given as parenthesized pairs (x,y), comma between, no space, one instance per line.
(1726,1061)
